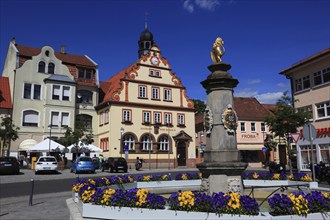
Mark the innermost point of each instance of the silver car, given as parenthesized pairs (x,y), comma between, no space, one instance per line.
(46,164)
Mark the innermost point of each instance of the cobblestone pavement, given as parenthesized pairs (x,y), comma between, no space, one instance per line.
(45,206)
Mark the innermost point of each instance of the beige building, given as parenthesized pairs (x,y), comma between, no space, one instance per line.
(250,133)
(50,91)
(310,85)
(144,112)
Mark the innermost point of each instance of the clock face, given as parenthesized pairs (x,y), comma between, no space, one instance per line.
(154,60)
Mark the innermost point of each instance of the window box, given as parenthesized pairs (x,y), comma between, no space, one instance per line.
(181,126)
(127,122)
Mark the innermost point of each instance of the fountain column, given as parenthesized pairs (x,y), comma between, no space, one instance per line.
(221,169)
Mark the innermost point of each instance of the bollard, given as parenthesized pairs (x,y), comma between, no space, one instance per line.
(31,194)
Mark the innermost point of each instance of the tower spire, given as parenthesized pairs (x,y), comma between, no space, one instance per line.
(146,21)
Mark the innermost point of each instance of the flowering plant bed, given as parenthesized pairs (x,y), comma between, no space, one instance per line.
(105,203)
(139,203)
(304,177)
(126,181)
(300,203)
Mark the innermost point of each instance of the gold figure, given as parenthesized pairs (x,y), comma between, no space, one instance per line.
(218,50)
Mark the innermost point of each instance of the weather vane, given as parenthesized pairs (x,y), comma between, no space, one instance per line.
(218,50)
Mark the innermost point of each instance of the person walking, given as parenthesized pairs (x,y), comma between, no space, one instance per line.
(101,161)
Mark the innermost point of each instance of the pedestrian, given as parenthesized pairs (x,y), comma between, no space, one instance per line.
(100,161)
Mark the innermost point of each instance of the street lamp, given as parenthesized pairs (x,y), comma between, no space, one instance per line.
(168,142)
(122,130)
(50,136)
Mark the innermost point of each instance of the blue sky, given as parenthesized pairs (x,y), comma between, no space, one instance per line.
(261,37)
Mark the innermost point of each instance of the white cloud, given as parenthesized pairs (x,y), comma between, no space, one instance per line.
(188,5)
(246,93)
(283,85)
(254,81)
(265,98)
(207,4)
(269,97)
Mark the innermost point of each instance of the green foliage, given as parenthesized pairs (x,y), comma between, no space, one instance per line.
(80,133)
(199,106)
(286,119)
(8,133)
(269,143)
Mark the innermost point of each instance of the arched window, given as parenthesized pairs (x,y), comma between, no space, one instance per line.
(164,144)
(85,120)
(30,118)
(146,142)
(51,68)
(129,141)
(41,67)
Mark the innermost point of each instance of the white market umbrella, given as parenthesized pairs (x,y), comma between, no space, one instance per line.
(44,146)
(84,148)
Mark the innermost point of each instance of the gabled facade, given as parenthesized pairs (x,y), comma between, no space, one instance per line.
(145,112)
(49,89)
(310,85)
(251,131)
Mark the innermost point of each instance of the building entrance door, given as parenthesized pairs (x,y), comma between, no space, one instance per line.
(181,153)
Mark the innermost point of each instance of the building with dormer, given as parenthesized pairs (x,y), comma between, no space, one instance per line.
(50,91)
(144,112)
(310,85)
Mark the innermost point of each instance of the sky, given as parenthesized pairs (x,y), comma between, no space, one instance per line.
(261,38)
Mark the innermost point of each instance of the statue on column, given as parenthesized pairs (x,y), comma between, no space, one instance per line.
(218,50)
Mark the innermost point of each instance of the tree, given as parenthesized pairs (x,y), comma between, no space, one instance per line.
(80,133)
(285,120)
(8,133)
(199,106)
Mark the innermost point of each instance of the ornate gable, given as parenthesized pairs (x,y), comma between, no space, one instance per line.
(182,136)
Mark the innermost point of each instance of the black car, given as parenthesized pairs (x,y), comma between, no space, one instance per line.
(114,164)
(9,165)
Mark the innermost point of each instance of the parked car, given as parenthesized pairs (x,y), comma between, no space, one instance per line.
(9,165)
(46,164)
(83,164)
(114,164)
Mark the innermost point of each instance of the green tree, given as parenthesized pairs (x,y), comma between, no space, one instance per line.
(285,120)
(199,106)
(80,133)
(8,133)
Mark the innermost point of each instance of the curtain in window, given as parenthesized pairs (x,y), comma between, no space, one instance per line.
(30,116)
(65,119)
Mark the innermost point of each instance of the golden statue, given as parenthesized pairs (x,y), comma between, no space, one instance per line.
(218,50)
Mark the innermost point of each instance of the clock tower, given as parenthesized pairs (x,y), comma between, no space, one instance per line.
(146,41)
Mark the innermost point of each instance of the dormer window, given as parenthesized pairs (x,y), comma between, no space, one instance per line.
(51,68)
(85,74)
(41,67)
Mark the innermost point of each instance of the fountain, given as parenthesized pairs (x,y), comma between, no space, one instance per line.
(221,169)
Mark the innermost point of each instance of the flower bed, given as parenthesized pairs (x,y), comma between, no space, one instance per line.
(276,179)
(130,204)
(300,203)
(142,181)
(140,204)
(303,177)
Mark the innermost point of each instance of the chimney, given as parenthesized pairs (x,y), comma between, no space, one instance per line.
(63,49)
(13,40)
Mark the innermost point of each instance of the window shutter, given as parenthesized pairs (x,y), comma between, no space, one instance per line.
(65,119)
(57,90)
(30,117)
(55,117)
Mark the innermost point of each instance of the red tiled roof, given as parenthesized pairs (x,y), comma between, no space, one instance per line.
(270,107)
(112,84)
(5,98)
(65,57)
(319,54)
(249,109)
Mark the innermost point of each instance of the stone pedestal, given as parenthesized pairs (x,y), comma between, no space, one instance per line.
(221,169)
